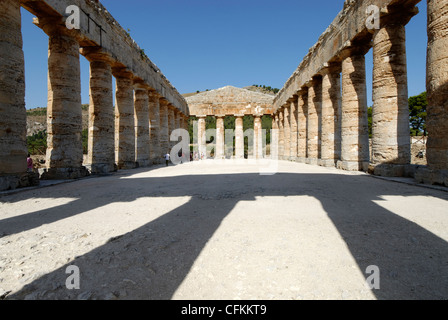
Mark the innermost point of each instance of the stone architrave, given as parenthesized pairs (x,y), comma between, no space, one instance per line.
(13,149)
(101,137)
(331,105)
(142,143)
(302,125)
(354,120)
(391,148)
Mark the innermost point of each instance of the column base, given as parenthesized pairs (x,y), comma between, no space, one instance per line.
(389,170)
(301,159)
(433,177)
(312,161)
(352,165)
(12,182)
(101,168)
(330,163)
(63,173)
(143,163)
(127,165)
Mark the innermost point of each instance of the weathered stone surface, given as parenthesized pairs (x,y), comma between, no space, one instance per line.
(101,143)
(258,138)
(13,149)
(390,122)
(230,101)
(331,107)
(125,123)
(164,127)
(154,127)
(239,138)
(64,105)
(313,120)
(220,138)
(142,143)
(293,114)
(302,115)
(286,133)
(281,135)
(354,122)
(437,85)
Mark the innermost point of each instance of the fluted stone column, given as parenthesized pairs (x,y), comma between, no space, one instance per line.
(314,124)
(220,138)
(437,92)
(172,125)
(13,149)
(274,127)
(391,148)
(281,135)
(331,104)
(287,133)
(164,127)
(354,121)
(302,125)
(202,143)
(293,114)
(258,137)
(239,137)
(101,139)
(142,143)
(64,143)
(154,127)
(124,121)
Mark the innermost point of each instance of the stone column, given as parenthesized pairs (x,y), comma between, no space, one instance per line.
(202,143)
(142,143)
(154,127)
(286,133)
(64,142)
(302,125)
(293,114)
(101,140)
(171,125)
(13,148)
(274,127)
(258,137)
(437,92)
(313,120)
(164,127)
(124,121)
(331,106)
(239,137)
(391,148)
(354,120)
(281,135)
(220,138)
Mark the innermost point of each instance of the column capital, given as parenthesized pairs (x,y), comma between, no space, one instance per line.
(239,115)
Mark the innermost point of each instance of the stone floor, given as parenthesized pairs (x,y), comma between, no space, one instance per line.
(220,230)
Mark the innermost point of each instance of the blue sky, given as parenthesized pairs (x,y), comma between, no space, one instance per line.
(207,44)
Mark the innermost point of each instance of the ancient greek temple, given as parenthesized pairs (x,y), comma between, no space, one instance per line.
(236,103)
(134,133)
(320,113)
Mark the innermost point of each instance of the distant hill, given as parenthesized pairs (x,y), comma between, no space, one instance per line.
(36,119)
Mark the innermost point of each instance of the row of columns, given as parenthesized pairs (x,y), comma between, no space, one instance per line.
(135,133)
(326,123)
(220,137)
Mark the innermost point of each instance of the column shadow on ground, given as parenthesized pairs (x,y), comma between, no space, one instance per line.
(151,262)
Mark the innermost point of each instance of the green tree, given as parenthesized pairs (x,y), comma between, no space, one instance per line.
(417,114)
